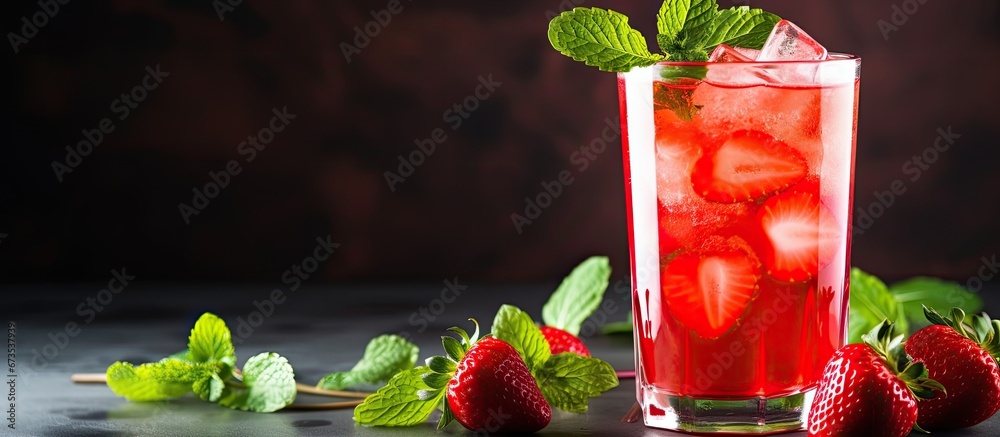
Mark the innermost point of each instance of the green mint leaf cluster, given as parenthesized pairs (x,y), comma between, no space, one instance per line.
(578,296)
(567,380)
(385,356)
(207,368)
(871,301)
(687,31)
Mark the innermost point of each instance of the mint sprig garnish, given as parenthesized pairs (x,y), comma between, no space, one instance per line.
(578,296)
(688,30)
(207,368)
(385,356)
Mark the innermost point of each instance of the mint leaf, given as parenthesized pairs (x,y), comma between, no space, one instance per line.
(742,27)
(516,327)
(399,402)
(870,304)
(569,380)
(935,293)
(155,381)
(683,26)
(578,295)
(600,38)
(384,356)
(671,18)
(210,340)
(268,385)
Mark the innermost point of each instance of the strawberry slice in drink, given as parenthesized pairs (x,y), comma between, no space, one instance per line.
(708,290)
(747,166)
(802,233)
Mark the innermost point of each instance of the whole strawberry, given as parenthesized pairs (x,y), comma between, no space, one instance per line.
(964,360)
(493,391)
(870,389)
(561,341)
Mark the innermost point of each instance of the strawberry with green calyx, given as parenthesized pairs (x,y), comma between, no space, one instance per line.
(871,389)
(484,384)
(963,359)
(505,382)
(492,389)
(577,297)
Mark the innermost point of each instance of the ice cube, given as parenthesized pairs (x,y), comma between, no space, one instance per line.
(750,53)
(724,53)
(789,43)
(729,74)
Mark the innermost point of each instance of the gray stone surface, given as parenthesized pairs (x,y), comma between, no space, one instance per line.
(318,329)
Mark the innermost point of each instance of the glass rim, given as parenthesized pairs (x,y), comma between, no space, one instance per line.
(834,57)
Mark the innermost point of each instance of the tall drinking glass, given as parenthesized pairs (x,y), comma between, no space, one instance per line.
(739,182)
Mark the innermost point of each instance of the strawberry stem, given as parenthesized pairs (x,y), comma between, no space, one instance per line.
(890,348)
(980,329)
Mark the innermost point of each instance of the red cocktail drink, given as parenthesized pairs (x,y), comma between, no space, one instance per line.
(739,186)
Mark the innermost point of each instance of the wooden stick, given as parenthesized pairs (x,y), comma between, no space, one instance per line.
(326,406)
(308,389)
(101,378)
(89,378)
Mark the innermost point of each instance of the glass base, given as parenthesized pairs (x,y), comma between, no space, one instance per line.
(758,415)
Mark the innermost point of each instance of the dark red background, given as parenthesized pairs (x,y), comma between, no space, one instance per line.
(324,174)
